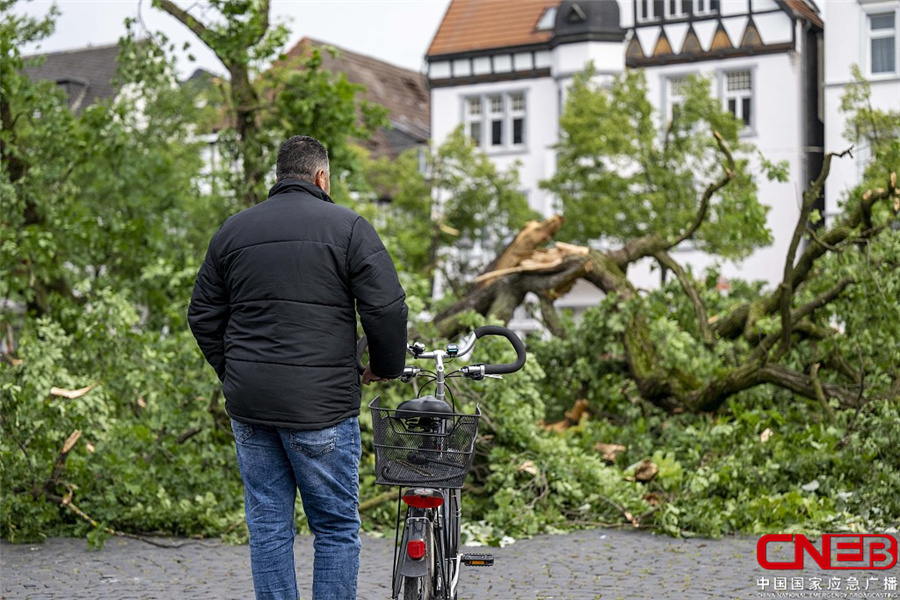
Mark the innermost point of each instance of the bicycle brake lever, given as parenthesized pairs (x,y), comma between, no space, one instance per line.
(409,373)
(494,376)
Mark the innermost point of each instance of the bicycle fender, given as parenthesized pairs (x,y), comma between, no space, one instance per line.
(415,529)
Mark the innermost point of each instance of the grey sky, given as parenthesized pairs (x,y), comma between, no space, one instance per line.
(397,31)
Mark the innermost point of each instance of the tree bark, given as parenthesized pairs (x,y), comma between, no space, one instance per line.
(244,97)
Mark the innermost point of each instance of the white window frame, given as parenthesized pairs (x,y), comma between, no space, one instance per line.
(500,106)
(739,96)
(869,35)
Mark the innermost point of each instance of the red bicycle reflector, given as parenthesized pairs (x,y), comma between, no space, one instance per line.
(415,549)
(423,498)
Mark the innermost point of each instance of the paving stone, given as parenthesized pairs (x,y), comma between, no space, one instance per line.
(586,565)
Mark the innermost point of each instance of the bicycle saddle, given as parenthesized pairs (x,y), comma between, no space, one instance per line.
(423,407)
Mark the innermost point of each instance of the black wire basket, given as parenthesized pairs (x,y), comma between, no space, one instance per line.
(422,448)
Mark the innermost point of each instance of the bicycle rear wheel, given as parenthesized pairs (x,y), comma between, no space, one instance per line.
(418,588)
(451,541)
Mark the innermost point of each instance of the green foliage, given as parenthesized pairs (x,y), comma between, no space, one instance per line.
(103,226)
(872,130)
(150,457)
(452,197)
(105,218)
(618,178)
(769,463)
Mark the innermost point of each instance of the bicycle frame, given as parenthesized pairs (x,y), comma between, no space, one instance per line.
(432,526)
(427,447)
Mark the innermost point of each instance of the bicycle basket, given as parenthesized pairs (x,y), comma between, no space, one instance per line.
(422,448)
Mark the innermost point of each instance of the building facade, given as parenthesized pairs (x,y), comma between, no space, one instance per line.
(501,69)
(862,33)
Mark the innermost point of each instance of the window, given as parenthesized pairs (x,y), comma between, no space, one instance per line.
(496,117)
(882,42)
(676,8)
(496,121)
(739,95)
(517,117)
(675,95)
(473,119)
(706,7)
(649,10)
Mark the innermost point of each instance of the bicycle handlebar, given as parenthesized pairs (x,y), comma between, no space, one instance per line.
(513,339)
(478,370)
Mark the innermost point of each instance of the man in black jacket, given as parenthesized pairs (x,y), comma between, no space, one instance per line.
(274,312)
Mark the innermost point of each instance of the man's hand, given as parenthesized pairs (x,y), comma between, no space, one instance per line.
(368,377)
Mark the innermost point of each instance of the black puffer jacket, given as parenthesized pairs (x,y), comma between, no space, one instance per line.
(274,309)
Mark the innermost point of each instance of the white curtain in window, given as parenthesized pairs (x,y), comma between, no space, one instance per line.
(883,35)
(883,55)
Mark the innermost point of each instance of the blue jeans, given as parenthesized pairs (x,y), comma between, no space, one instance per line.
(324,465)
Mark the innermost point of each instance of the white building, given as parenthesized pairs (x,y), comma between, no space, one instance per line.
(501,67)
(863,33)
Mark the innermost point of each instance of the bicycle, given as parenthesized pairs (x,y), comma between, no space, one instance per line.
(426,446)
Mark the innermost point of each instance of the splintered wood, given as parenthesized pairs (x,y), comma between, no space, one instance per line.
(523,253)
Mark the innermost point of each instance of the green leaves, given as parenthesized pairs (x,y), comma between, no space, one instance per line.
(624,171)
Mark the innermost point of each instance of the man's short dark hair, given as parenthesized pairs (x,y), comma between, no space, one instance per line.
(301,157)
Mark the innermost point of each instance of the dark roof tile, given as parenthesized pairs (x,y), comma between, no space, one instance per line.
(403,92)
(85,74)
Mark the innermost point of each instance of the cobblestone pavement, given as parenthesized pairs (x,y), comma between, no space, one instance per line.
(604,564)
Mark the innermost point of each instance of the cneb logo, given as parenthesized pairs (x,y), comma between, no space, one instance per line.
(839,551)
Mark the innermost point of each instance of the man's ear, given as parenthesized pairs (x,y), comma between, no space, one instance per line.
(322,181)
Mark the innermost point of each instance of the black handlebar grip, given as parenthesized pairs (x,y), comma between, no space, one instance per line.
(516,344)
(360,348)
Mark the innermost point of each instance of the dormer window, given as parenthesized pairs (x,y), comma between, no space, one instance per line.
(547,20)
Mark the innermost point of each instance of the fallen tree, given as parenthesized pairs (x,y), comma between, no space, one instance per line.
(525,266)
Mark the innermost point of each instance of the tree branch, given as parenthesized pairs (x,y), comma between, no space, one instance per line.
(377,500)
(810,196)
(820,394)
(794,318)
(549,316)
(799,383)
(59,466)
(708,193)
(188,20)
(687,284)
(739,320)
(637,249)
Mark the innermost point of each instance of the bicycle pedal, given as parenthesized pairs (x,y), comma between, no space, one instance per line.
(478,560)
